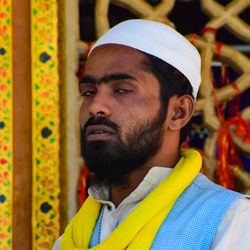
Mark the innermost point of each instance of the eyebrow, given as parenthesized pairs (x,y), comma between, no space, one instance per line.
(107,78)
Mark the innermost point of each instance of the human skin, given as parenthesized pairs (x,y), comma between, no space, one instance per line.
(128,99)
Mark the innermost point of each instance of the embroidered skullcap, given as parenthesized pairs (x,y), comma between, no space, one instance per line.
(159,40)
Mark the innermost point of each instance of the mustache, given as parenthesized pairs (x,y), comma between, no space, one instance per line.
(101,121)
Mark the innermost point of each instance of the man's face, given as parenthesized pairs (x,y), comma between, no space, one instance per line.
(121,115)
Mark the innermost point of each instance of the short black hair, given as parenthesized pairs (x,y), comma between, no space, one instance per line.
(172,82)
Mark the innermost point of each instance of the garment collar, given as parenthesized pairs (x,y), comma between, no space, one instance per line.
(153,178)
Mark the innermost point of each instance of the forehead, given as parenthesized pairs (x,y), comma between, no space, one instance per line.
(113,57)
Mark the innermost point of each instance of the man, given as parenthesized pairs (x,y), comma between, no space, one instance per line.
(139,86)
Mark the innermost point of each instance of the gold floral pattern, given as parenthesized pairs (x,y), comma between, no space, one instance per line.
(45,127)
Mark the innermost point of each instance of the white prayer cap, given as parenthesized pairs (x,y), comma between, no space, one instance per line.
(159,40)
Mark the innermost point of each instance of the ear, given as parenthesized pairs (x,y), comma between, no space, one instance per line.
(181,110)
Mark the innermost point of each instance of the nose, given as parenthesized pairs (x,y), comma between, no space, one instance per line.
(100,105)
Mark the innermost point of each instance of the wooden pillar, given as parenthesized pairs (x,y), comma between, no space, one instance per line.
(22,125)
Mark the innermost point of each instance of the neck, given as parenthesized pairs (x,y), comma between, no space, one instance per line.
(119,193)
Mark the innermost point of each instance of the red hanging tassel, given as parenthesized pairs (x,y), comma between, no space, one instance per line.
(223,171)
(247,138)
(226,148)
(83,185)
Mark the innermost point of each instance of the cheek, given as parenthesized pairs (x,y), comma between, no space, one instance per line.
(145,107)
(137,114)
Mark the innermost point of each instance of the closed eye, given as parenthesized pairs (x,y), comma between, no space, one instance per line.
(87,89)
(123,91)
(88,93)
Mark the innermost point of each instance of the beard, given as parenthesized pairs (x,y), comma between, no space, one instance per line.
(111,161)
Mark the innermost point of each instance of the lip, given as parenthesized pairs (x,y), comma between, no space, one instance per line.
(108,132)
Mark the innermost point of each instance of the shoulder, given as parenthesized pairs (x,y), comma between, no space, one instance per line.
(204,195)
(205,185)
(234,229)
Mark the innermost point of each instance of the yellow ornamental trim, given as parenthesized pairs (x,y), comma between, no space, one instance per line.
(45,123)
(6,120)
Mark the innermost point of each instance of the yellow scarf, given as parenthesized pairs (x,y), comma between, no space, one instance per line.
(139,228)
